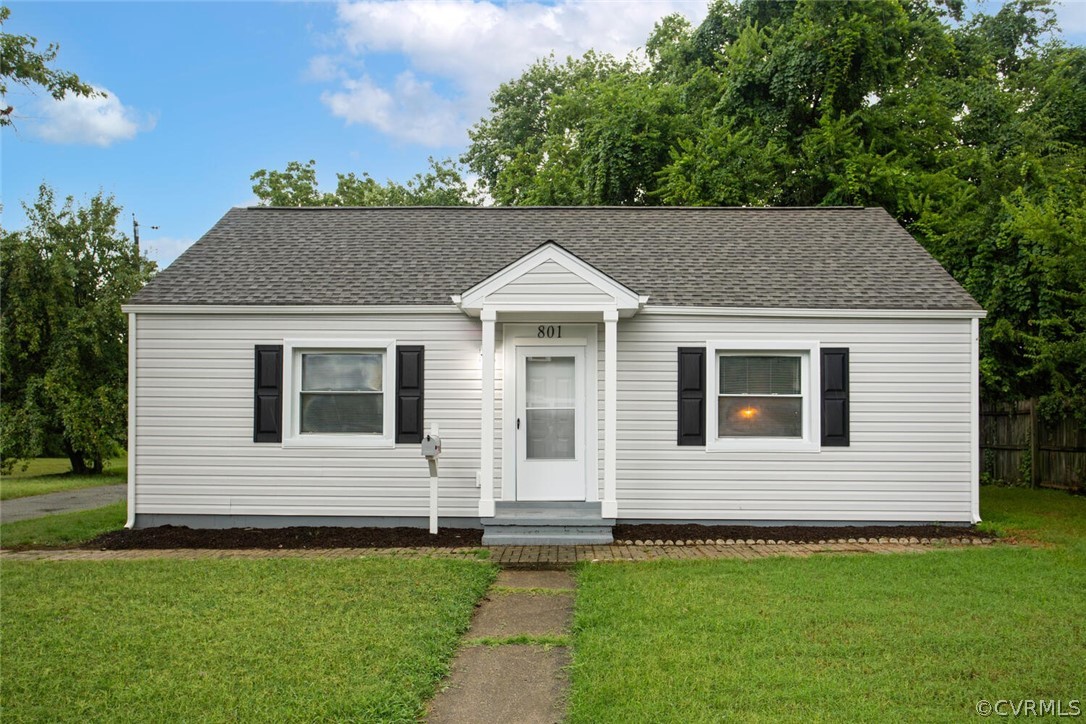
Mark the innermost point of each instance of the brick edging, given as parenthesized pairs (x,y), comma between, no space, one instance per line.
(533,556)
(968,540)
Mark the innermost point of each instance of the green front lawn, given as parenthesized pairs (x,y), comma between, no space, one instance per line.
(907,637)
(241,640)
(63,529)
(1049,517)
(52,475)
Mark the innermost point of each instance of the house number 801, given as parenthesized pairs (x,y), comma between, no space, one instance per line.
(549,331)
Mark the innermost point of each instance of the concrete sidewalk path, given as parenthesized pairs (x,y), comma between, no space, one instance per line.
(500,674)
(66,501)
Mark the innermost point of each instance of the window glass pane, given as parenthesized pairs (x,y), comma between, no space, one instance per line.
(342,371)
(355,413)
(550,434)
(550,381)
(760,416)
(759,375)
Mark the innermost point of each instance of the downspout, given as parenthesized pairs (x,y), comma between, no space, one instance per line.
(974,417)
(131,522)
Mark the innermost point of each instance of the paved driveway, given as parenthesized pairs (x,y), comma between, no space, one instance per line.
(63,502)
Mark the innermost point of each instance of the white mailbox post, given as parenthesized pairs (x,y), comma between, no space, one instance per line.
(431,449)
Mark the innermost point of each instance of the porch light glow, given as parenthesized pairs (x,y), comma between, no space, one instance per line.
(748,413)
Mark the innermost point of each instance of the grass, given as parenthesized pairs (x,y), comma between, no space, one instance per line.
(918,637)
(530,591)
(53,475)
(547,641)
(1044,516)
(63,529)
(218,640)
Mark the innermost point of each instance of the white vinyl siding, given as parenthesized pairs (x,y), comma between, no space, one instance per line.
(551,283)
(194,421)
(909,457)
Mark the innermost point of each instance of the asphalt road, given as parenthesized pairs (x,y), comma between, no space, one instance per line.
(63,502)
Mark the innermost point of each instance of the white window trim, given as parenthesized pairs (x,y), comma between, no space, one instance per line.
(292,382)
(810,371)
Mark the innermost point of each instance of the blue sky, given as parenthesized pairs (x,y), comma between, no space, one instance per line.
(201,94)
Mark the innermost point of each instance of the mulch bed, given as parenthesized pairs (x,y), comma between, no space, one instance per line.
(172,536)
(797,533)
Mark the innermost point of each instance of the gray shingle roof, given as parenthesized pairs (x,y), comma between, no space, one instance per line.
(831,257)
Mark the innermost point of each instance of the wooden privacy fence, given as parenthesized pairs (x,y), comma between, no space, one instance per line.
(1018,446)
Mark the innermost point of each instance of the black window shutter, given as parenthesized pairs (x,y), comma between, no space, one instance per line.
(409,393)
(691,395)
(835,397)
(268,393)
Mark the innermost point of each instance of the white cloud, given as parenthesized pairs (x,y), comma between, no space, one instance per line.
(164,249)
(410,110)
(468,47)
(323,68)
(96,121)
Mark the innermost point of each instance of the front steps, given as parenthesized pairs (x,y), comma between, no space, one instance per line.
(547,523)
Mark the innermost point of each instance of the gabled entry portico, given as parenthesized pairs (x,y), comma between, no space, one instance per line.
(549,305)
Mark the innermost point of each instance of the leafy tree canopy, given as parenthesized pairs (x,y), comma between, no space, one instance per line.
(21,63)
(296,185)
(970,131)
(63,337)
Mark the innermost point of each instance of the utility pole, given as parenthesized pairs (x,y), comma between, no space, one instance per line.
(136,234)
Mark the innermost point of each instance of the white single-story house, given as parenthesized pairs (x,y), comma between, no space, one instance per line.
(583,365)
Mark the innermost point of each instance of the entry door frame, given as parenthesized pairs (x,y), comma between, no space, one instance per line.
(574,334)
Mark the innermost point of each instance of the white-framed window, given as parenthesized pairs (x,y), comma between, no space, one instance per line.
(339,393)
(762,396)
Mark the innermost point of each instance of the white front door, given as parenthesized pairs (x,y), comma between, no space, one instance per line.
(550,423)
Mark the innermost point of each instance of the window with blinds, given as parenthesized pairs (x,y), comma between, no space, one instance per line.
(342,393)
(760,396)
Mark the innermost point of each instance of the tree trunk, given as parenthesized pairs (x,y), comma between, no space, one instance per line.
(79,465)
(79,462)
(97,466)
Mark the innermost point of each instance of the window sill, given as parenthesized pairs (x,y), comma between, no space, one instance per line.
(343,442)
(761,445)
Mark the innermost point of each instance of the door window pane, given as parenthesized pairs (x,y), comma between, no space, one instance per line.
(550,434)
(550,381)
(550,410)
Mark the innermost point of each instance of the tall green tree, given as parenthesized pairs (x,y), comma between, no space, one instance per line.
(23,64)
(442,184)
(63,337)
(549,139)
(969,130)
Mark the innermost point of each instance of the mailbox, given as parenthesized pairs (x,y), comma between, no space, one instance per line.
(431,446)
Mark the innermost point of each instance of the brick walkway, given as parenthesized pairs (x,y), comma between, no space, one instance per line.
(524,556)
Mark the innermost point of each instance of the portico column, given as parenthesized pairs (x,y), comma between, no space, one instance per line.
(486,464)
(610,413)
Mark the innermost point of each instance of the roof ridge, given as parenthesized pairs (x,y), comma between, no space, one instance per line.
(557,208)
